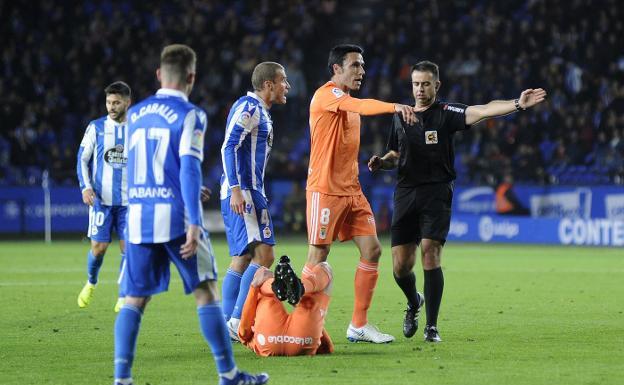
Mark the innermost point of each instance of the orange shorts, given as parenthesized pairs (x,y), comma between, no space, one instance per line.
(334,216)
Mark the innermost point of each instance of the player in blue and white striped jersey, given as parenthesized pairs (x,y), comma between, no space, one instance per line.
(101,169)
(245,152)
(165,151)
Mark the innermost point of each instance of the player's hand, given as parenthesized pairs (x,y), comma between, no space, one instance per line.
(205,193)
(189,248)
(374,163)
(88,197)
(530,97)
(407,113)
(261,276)
(237,202)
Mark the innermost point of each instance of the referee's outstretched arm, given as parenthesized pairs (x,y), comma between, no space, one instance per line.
(528,98)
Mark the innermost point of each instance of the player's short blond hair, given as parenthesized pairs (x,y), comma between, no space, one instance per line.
(264,71)
(178,60)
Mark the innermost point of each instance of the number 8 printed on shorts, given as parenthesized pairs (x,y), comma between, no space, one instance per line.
(324,220)
(325,216)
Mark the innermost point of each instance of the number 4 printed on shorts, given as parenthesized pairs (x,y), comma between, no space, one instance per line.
(264,217)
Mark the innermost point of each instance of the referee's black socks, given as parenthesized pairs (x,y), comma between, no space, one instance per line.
(434,286)
(407,283)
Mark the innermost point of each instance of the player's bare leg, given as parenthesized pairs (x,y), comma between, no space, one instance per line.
(366,277)
(431,253)
(403,260)
(317,254)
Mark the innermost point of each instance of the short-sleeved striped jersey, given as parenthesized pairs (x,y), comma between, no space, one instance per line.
(101,163)
(161,129)
(247,145)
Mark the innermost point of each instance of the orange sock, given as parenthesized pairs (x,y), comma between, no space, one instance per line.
(314,278)
(365,281)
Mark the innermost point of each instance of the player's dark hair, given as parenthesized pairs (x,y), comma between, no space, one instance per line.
(262,72)
(338,53)
(178,60)
(119,88)
(427,66)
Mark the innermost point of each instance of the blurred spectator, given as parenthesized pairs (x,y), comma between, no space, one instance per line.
(57,56)
(506,201)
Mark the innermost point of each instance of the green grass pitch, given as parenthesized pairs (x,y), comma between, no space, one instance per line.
(510,315)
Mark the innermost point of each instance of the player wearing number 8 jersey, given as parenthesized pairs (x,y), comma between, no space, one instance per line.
(336,207)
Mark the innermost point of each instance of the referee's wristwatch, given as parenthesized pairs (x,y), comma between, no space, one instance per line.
(517,104)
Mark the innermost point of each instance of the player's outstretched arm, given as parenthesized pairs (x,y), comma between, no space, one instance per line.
(368,107)
(386,162)
(528,98)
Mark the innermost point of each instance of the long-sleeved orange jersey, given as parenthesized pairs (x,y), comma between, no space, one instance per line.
(335,139)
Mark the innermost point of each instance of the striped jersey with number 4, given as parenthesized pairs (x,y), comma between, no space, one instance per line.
(161,129)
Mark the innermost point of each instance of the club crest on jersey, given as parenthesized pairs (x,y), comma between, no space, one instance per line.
(248,207)
(266,232)
(323,232)
(115,157)
(431,137)
(338,93)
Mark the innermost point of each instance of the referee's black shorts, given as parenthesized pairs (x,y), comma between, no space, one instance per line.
(421,212)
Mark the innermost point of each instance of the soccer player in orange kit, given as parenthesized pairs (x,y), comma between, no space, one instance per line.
(336,206)
(268,329)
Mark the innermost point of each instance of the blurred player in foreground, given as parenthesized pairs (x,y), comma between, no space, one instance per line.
(166,141)
(244,206)
(336,206)
(102,176)
(425,156)
(268,329)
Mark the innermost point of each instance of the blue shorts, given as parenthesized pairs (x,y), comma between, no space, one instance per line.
(147,266)
(102,220)
(254,226)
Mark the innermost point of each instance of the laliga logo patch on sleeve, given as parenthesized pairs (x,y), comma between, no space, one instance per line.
(431,137)
(338,93)
(197,141)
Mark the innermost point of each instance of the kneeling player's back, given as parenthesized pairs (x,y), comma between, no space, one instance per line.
(161,129)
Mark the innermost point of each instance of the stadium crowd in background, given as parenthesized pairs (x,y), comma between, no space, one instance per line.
(57,57)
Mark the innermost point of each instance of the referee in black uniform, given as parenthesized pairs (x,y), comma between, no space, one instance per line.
(424,155)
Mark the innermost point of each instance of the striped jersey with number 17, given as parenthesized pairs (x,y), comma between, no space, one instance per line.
(101,163)
(161,129)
